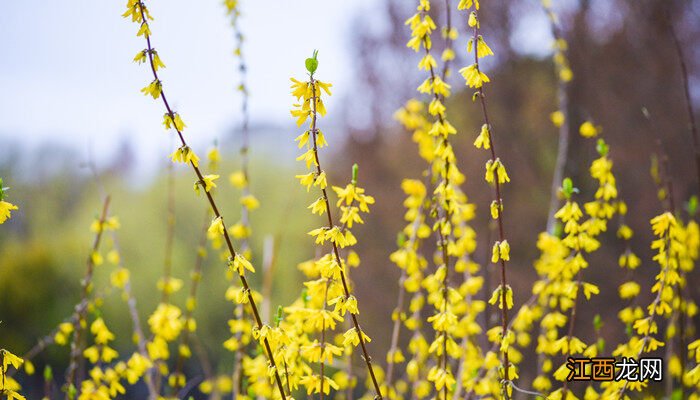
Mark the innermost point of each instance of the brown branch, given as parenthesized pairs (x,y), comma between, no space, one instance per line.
(366,357)
(692,127)
(217,214)
(499,205)
(76,343)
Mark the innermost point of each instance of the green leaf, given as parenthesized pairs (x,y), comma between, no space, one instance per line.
(692,205)
(602,148)
(48,373)
(597,322)
(355,169)
(677,394)
(312,63)
(401,239)
(567,188)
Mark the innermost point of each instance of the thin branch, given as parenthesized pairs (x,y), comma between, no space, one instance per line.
(76,343)
(215,209)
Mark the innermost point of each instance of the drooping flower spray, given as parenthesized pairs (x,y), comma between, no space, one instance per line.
(138,12)
(334,286)
(496,175)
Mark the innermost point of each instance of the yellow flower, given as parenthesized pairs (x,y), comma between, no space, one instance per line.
(306,180)
(496,169)
(589,289)
(169,121)
(350,215)
(482,49)
(352,338)
(313,384)
(321,181)
(473,21)
(141,57)
(154,89)
(240,231)
(119,278)
(661,223)
(157,62)
(64,329)
(473,76)
(238,179)
(5,208)
(166,321)
(629,290)
(346,194)
(207,182)
(427,63)
(484,138)
(309,157)
(185,155)
(588,130)
(557,118)
(216,227)
(250,202)
(240,264)
(144,30)
(495,209)
(9,359)
(504,250)
(169,285)
(497,296)
(318,206)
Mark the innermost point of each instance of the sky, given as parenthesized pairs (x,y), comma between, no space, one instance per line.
(67,76)
(66,71)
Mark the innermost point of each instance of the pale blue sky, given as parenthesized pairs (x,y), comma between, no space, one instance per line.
(66,71)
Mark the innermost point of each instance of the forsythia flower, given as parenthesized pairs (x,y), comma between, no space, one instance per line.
(207,182)
(217,226)
(496,168)
(238,179)
(166,321)
(154,89)
(5,208)
(474,77)
(557,118)
(185,155)
(588,130)
(250,202)
(240,264)
(497,296)
(483,140)
(176,121)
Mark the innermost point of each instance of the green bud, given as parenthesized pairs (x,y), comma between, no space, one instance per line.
(279,316)
(677,394)
(558,229)
(72,392)
(48,373)
(312,63)
(602,148)
(597,322)
(692,205)
(567,188)
(601,345)
(355,169)
(401,239)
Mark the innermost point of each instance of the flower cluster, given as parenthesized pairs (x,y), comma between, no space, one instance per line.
(329,282)
(5,206)
(455,310)
(8,386)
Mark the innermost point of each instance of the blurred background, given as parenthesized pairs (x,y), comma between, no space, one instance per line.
(70,98)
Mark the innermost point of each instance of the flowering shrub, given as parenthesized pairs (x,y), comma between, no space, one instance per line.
(441,344)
